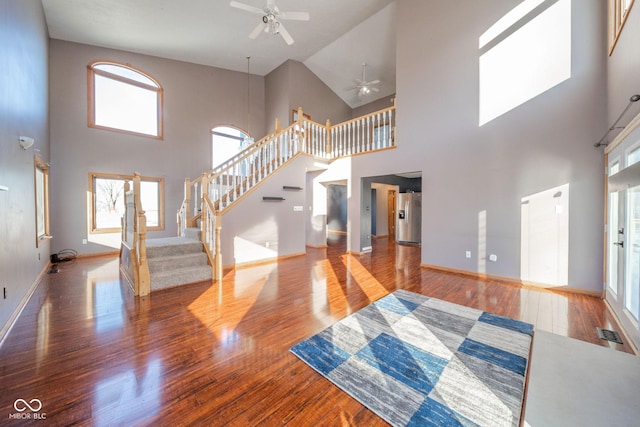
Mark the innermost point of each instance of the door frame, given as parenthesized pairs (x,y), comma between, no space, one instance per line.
(628,177)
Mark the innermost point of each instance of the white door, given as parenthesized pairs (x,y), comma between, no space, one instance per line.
(623,246)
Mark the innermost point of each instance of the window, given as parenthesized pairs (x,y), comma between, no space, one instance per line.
(124,99)
(41,173)
(107,201)
(226,142)
(633,154)
(618,13)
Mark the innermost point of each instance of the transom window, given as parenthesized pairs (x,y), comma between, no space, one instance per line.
(107,201)
(124,99)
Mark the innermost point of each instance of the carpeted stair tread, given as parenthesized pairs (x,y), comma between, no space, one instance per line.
(169,246)
(176,261)
(171,262)
(192,233)
(180,276)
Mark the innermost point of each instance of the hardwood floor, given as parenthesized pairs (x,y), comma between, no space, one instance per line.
(219,354)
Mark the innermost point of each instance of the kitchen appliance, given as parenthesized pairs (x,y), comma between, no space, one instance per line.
(409,220)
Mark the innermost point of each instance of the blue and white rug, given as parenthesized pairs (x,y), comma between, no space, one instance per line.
(415,360)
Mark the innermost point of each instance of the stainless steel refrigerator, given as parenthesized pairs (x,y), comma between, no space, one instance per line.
(409,219)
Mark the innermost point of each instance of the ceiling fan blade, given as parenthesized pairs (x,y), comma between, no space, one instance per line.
(256,31)
(375,89)
(246,7)
(285,35)
(294,16)
(375,82)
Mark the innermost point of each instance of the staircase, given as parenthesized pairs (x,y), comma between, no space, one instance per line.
(194,255)
(176,261)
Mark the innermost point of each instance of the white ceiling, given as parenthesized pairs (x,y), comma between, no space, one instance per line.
(340,36)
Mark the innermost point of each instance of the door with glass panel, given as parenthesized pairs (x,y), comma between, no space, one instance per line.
(631,289)
(615,241)
(623,243)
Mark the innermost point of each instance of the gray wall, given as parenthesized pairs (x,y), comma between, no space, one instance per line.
(196,98)
(469,170)
(373,106)
(293,85)
(23,111)
(257,230)
(623,72)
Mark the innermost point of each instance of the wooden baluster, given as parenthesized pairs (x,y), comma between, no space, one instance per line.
(218,246)
(379,141)
(369,142)
(328,153)
(391,127)
(204,208)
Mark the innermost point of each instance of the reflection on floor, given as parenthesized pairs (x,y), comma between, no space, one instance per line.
(218,353)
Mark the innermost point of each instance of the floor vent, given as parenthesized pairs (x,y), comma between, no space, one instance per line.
(609,335)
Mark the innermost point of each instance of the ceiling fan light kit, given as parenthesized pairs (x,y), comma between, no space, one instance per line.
(364,87)
(271,17)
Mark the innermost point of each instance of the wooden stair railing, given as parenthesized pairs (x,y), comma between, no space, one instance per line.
(208,196)
(230,181)
(133,250)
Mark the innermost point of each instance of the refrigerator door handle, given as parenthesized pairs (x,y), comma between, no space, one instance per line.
(406,214)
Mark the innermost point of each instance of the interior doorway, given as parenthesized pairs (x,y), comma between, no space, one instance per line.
(391,214)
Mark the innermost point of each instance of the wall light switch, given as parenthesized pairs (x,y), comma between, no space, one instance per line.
(468,254)
(493,257)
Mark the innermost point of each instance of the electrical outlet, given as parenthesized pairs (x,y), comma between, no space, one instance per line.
(84,241)
(493,257)
(468,254)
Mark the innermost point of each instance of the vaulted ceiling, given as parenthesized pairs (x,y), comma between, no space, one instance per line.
(339,37)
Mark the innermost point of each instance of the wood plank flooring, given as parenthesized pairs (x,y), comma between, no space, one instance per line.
(219,354)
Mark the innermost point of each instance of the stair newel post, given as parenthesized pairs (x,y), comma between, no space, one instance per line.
(124,220)
(144,287)
(187,201)
(204,208)
(328,143)
(218,257)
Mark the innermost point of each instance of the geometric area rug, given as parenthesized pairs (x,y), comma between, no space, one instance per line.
(415,361)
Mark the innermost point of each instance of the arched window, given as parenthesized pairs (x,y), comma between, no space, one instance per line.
(124,99)
(226,142)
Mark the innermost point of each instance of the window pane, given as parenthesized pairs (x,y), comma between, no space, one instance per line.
(109,202)
(226,143)
(40,206)
(123,106)
(149,197)
(633,156)
(632,279)
(125,72)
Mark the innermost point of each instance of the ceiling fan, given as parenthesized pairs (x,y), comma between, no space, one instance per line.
(271,17)
(364,87)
